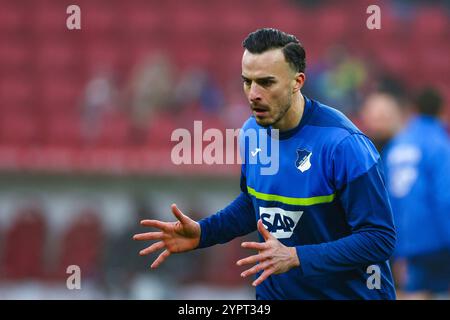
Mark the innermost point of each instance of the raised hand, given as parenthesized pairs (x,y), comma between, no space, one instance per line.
(273,256)
(175,237)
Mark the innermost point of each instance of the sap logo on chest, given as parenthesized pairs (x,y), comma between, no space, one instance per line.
(280,223)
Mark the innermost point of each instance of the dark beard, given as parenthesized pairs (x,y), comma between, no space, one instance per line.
(282,113)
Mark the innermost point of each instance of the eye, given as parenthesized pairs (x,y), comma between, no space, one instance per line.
(247,82)
(266,83)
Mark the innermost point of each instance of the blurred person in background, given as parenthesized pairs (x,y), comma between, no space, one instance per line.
(318,234)
(100,98)
(382,115)
(150,90)
(338,80)
(417,164)
(196,88)
(189,88)
(384,112)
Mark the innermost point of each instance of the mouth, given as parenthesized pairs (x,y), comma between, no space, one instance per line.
(260,111)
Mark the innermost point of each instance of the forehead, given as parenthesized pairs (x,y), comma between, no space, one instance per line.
(380,103)
(268,63)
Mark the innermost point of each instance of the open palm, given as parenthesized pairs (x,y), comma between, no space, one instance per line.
(175,237)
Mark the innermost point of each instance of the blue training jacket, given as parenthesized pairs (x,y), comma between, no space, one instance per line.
(327,198)
(417,163)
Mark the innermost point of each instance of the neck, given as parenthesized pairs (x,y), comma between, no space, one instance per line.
(294,114)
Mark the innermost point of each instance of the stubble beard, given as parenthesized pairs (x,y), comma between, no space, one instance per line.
(280,114)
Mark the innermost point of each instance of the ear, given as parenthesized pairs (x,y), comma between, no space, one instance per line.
(300,78)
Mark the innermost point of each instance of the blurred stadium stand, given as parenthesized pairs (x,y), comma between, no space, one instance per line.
(49,123)
(45,68)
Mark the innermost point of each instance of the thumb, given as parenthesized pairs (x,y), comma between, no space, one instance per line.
(178,214)
(264,232)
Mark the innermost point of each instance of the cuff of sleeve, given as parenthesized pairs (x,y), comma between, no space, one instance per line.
(203,234)
(309,258)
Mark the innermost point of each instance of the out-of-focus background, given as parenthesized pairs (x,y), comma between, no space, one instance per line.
(86,118)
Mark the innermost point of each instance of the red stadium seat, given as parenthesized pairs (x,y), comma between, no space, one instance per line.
(60,91)
(58,55)
(17,91)
(189,20)
(48,19)
(24,246)
(393,59)
(435,59)
(234,21)
(81,244)
(188,54)
(331,24)
(63,129)
(292,19)
(104,53)
(114,131)
(100,18)
(145,19)
(160,130)
(19,128)
(15,55)
(13,17)
(430,24)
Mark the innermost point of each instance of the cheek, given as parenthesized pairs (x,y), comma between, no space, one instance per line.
(275,95)
(280,96)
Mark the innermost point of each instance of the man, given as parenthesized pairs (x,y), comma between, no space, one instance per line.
(324,218)
(418,174)
(383,113)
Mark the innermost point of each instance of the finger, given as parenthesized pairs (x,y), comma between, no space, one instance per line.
(263,231)
(252,259)
(154,247)
(255,245)
(155,224)
(163,256)
(255,269)
(149,236)
(263,276)
(178,214)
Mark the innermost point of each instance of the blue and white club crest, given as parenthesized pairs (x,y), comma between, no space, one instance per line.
(303,161)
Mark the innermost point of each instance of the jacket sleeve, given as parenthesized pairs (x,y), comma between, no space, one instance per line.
(237,219)
(357,175)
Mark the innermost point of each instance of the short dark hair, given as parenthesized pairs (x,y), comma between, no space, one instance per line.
(265,39)
(393,87)
(429,102)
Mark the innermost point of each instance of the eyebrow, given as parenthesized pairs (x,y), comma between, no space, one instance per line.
(259,79)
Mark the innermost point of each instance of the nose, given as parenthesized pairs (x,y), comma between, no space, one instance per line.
(254,95)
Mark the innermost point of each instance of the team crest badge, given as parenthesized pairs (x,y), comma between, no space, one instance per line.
(303,161)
